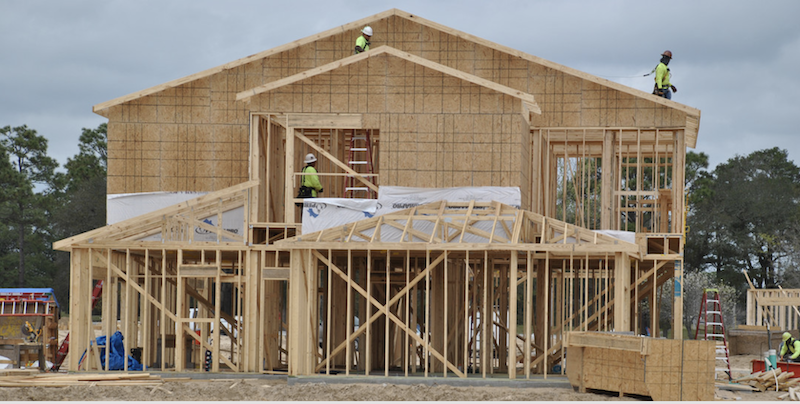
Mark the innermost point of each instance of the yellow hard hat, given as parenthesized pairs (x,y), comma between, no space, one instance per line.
(786,336)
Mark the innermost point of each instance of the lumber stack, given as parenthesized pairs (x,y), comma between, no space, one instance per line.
(32,378)
(792,395)
(767,380)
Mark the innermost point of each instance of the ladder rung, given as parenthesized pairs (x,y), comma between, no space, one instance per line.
(359,137)
(356,189)
(358,149)
(710,323)
(715,335)
(714,312)
(721,369)
(358,162)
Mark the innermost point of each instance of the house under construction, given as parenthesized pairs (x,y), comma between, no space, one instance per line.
(454,287)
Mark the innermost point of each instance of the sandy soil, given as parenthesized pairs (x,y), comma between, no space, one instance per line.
(279,390)
(259,389)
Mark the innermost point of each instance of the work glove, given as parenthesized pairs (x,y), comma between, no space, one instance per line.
(320,190)
(674,90)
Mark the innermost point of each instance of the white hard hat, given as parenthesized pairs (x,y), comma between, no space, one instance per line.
(367,30)
(310,158)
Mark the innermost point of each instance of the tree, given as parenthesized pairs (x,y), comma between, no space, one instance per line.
(24,211)
(82,207)
(693,286)
(744,217)
(92,160)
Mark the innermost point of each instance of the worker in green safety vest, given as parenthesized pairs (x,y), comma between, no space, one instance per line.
(663,86)
(362,42)
(790,346)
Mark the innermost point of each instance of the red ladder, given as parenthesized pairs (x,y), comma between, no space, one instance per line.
(714,327)
(64,348)
(360,160)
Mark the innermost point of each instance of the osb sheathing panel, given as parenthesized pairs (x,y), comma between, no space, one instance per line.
(209,101)
(666,370)
(436,130)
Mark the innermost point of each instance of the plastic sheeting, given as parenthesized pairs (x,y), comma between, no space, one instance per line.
(126,206)
(324,213)
(120,207)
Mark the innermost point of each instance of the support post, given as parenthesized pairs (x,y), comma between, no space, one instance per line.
(622,299)
(677,302)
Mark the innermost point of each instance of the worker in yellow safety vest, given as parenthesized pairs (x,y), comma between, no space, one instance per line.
(790,346)
(362,42)
(311,181)
(663,86)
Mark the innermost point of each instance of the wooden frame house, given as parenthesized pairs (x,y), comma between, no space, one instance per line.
(599,232)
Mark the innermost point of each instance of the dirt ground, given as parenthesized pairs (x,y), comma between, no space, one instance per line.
(278,390)
(267,390)
(272,390)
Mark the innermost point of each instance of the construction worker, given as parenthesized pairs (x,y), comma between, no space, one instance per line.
(663,86)
(309,184)
(362,42)
(790,346)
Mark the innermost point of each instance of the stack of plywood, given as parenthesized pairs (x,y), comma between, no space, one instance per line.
(660,368)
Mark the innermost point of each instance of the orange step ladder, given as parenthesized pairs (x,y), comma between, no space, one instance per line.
(710,319)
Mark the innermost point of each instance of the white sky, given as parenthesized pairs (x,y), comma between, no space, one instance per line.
(737,61)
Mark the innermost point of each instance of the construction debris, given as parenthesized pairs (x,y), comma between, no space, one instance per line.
(776,380)
(32,377)
(792,395)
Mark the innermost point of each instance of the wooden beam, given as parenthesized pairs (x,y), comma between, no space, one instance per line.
(324,121)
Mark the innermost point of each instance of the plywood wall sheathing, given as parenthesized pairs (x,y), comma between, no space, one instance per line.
(410,292)
(669,370)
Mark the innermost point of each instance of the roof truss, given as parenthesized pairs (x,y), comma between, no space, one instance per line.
(461,226)
(175,223)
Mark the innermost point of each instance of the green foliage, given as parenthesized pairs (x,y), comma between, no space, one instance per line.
(25,210)
(39,205)
(744,216)
(693,285)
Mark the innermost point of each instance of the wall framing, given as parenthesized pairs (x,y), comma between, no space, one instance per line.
(444,109)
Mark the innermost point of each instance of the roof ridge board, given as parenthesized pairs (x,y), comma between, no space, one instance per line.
(547,63)
(242,61)
(382,50)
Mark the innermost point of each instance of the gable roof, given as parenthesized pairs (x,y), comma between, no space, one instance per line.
(527,99)
(693,112)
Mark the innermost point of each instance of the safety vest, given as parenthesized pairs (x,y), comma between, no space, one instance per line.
(362,43)
(662,76)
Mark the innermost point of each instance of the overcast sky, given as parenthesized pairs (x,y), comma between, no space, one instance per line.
(737,61)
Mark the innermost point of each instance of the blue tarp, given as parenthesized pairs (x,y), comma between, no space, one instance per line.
(115,358)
